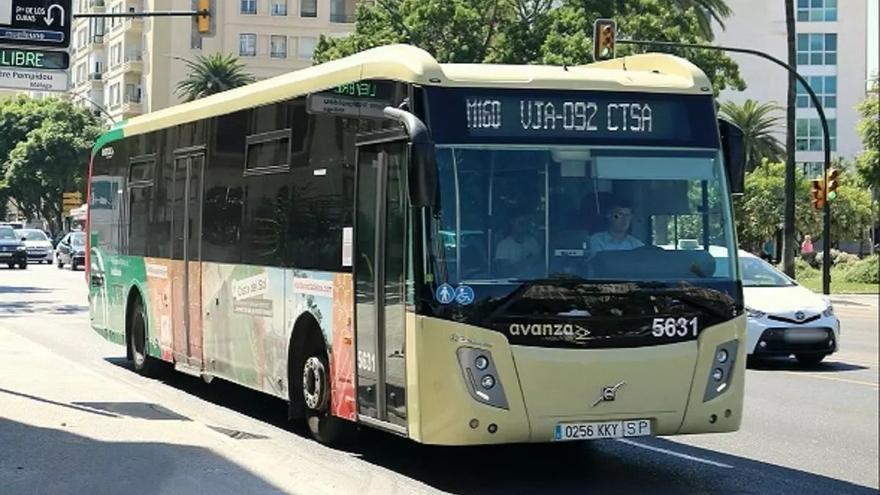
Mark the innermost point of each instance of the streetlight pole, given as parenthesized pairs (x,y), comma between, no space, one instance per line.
(826,227)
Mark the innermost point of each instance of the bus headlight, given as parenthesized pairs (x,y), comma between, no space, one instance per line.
(481,377)
(721,370)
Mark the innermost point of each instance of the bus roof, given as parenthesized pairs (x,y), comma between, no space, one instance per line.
(652,72)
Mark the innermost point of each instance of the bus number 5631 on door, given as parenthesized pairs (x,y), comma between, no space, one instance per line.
(674,327)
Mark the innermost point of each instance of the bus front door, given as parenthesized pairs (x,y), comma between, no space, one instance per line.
(189,165)
(379,276)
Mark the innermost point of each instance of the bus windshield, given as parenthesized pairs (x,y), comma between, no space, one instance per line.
(512,213)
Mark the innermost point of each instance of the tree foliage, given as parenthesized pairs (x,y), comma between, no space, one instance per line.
(757,121)
(759,210)
(532,31)
(210,74)
(44,148)
(868,162)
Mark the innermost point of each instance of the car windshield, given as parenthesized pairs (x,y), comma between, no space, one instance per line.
(32,235)
(520,213)
(758,273)
(78,239)
(7,234)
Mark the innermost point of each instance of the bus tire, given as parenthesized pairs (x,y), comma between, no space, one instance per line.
(315,376)
(137,339)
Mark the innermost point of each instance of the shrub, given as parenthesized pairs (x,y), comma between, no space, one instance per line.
(866,271)
(803,270)
(837,258)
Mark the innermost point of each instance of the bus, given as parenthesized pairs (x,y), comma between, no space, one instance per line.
(459,254)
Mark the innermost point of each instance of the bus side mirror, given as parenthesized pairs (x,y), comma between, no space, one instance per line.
(734,151)
(422,176)
(422,173)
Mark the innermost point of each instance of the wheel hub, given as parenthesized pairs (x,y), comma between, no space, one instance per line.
(314,384)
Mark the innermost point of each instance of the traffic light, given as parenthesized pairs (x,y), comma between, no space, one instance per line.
(203,20)
(831,182)
(604,32)
(817,193)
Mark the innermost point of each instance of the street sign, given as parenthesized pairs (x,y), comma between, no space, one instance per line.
(22,58)
(33,80)
(43,23)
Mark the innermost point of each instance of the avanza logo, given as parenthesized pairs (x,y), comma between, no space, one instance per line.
(569,330)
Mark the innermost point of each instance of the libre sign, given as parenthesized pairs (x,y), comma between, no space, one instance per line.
(34,59)
(43,23)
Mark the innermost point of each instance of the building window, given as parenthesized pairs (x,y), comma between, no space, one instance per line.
(825,88)
(308,8)
(813,170)
(305,48)
(278,46)
(342,10)
(279,7)
(816,10)
(114,95)
(817,49)
(247,45)
(248,6)
(808,134)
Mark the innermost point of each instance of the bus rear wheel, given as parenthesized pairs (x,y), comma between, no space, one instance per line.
(137,340)
(324,427)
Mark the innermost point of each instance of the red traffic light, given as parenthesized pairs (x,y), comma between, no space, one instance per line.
(604,34)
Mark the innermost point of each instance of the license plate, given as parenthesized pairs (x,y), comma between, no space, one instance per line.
(602,429)
(804,335)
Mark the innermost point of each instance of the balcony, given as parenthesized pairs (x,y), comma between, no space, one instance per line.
(131,105)
(96,4)
(342,17)
(135,24)
(134,62)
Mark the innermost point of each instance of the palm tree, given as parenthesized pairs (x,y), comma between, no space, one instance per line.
(757,121)
(210,74)
(707,11)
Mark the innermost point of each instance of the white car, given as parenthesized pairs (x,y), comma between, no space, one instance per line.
(39,247)
(784,318)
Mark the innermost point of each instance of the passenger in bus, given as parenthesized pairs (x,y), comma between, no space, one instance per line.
(518,253)
(616,237)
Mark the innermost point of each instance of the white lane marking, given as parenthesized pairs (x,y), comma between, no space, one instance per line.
(675,454)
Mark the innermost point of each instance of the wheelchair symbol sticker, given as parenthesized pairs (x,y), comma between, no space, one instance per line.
(445,294)
(464,295)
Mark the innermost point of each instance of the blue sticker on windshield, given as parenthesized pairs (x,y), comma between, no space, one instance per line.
(445,294)
(464,295)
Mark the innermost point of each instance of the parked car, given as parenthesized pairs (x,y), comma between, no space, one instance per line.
(785,318)
(71,251)
(39,246)
(12,249)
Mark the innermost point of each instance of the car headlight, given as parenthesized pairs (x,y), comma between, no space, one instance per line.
(754,313)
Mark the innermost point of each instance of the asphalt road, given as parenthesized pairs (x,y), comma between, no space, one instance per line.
(805,431)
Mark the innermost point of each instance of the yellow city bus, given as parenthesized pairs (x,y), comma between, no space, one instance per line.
(458,254)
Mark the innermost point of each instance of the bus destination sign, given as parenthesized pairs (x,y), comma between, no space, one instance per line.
(570,117)
(34,59)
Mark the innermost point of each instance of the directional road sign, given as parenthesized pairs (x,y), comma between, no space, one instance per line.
(33,80)
(43,23)
(23,58)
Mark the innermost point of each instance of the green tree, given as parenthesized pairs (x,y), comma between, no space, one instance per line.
(706,11)
(51,158)
(210,74)
(868,161)
(759,212)
(530,31)
(757,120)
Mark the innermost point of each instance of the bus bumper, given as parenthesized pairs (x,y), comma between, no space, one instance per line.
(544,387)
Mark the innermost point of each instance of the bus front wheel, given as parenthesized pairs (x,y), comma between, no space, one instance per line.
(137,340)
(324,427)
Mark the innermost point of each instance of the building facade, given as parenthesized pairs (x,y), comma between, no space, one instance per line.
(126,67)
(831,55)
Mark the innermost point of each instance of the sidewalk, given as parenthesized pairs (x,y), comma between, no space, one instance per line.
(872,300)
(66,429)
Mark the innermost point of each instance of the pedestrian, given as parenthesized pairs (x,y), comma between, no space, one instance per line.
(768,250)
(808,254)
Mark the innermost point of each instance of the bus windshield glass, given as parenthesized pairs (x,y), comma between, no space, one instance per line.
(514,213)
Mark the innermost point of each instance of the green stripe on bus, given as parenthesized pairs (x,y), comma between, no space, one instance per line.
(114,134)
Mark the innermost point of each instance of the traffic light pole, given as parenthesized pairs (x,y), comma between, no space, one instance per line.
(170,13)
(826,227)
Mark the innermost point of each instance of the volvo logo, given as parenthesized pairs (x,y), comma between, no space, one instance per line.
(799,316)
(608,394)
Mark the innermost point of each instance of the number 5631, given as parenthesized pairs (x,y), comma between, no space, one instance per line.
(674,327)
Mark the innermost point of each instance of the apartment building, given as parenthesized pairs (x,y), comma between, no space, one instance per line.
(126,67)
(832,54)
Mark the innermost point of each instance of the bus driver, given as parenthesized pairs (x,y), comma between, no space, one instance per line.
(616,238)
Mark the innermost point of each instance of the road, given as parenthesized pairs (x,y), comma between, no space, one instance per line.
(75,418)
